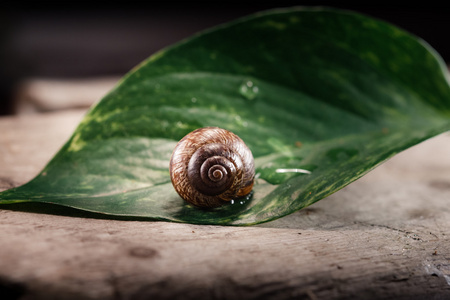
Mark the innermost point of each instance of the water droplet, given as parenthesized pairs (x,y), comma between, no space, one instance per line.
(242,200)
(249,90)
(294,170)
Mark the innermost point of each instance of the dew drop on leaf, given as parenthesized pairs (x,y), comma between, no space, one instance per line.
(249,90)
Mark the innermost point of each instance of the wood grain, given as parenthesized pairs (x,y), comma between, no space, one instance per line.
(385,236)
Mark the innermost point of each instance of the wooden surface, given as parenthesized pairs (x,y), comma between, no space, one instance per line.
(37,95)
(385,236)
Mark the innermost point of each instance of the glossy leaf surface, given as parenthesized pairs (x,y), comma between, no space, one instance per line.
(332,92)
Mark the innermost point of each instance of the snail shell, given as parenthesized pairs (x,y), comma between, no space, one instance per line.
(211,166)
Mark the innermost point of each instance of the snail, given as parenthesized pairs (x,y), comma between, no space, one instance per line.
(211,166)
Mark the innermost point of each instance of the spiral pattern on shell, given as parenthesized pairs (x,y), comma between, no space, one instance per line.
(211,166)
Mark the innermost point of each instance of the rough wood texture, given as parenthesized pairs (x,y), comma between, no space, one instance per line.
(385,236)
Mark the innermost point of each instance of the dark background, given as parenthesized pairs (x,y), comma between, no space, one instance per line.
(94,38)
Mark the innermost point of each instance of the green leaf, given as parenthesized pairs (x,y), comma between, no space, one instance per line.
(329,91)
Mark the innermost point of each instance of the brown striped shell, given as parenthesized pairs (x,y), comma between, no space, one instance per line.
(211,166)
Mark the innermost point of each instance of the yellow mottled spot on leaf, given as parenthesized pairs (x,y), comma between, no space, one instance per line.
(371,57)
(276,25)
(213,55)
(295,194)
(77,143)
(294,19)
(156,56)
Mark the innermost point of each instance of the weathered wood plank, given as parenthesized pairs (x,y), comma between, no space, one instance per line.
(384,236)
